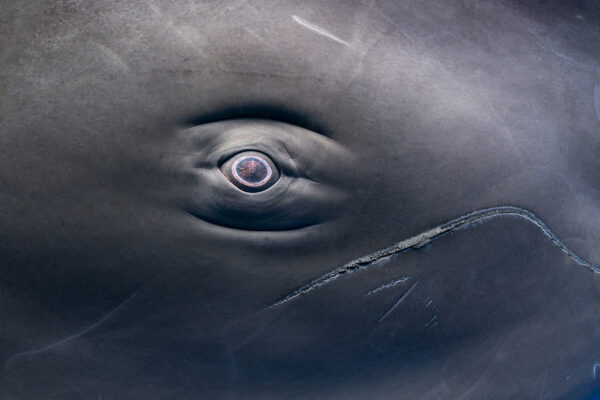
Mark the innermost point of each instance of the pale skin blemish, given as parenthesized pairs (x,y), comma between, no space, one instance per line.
(318,30)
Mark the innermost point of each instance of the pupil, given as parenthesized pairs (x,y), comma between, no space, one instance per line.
(252,170)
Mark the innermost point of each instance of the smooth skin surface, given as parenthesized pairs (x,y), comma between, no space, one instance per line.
(131,267)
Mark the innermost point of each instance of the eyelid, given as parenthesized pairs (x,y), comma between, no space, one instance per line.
(273,149)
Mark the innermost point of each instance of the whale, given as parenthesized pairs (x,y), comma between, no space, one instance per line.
(338,199)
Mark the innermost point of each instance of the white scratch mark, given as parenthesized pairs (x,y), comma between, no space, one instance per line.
(387,285)
(383,260)
(254,10)
(543,388)
(233,365)
(180,33)
(568,59)
(113,57)
(431,320)
(428,303)
(474,385)
(318,30)
(432,326)
(597,100)
(556,53)
(595,369)
(264,323)
(256,35)
(72,337)
(396,304)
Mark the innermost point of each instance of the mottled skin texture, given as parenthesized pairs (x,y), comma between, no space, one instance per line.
(129,270)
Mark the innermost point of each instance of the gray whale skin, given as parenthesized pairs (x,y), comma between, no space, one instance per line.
(430,230)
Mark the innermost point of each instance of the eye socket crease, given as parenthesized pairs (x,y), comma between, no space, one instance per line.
(260,111)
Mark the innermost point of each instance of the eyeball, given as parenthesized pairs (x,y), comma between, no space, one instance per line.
(250,171)
(253,171)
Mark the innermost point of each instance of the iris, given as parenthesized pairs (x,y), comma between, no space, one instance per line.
(251,171)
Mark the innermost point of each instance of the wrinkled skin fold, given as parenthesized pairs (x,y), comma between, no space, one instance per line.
(432,231)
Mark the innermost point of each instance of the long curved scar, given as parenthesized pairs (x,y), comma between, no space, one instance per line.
(427,237)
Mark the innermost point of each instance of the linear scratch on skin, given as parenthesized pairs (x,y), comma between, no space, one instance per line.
(556,53)
(256,332)
(387,285)
(597,100)
(319,31)
(72,337)
(173,26)
(430,235)
(113,57)
(432,326)
(543,387)
(431,320)
(256,35)
(396,304)
(233,364)
(254,9)
(568,59)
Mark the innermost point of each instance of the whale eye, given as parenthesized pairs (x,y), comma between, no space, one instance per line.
(250,171)
(263,175)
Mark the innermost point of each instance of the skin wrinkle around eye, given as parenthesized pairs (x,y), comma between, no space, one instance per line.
(308,191)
